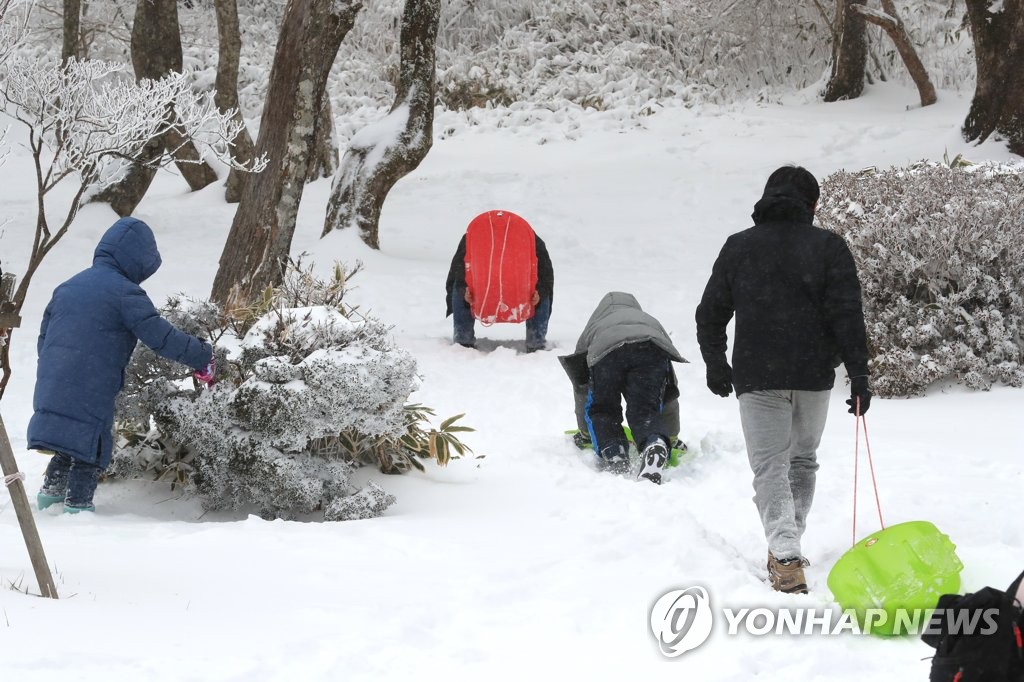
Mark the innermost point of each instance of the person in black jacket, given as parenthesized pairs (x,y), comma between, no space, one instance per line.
(458,301)
(794,290)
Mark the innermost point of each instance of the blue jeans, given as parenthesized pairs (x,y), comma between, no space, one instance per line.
(68,477)
(464,322)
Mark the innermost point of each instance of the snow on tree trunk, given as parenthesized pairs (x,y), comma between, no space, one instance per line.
(156,52)
(998,104)
(261,233)
(229,42)
(891,23)
(382,153)
(849,54)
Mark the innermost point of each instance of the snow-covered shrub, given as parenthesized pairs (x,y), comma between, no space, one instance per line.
(940,252)
(305,371)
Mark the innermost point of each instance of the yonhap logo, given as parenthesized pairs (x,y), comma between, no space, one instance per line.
(681,620)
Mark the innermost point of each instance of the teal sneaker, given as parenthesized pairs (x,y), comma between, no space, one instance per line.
(68,509)
(44,500)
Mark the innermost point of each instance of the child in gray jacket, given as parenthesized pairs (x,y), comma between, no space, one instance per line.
(624,352)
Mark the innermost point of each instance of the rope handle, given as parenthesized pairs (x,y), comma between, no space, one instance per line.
(856,466)
(490,260)
(16,476)
(501,258)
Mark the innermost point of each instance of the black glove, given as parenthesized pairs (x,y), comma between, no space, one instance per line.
(720,379)
(859,389)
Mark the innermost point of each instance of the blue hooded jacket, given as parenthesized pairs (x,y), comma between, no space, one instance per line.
(89,332)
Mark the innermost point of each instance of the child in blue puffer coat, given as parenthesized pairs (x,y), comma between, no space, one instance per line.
(87,337)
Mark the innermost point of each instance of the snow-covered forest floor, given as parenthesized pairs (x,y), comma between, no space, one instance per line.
(525,562)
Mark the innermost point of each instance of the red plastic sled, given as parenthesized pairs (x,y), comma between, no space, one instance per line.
(501,267)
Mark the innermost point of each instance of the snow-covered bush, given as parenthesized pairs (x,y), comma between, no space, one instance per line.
(940,252)
(304,372)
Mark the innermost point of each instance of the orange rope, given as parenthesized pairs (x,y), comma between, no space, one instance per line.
(856,465)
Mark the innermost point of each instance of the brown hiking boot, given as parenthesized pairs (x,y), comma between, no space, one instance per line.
(787,575)
(804,561)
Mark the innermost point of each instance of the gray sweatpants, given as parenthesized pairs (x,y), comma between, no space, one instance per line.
(782,430)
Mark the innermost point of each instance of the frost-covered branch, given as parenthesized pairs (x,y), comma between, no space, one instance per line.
(14,25)
(95,119)
(88,123)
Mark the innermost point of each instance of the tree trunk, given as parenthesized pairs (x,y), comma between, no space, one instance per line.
(998,104)
(382,153)
(72,31)
(125,195)
(891,23)
(324,163)
(261,233)
(156,51)
(229,49)
(849,54)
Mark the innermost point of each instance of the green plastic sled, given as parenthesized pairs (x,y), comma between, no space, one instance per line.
(893,579)
(674,457)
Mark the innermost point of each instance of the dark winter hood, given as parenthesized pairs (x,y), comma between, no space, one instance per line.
(789,195)
(129,247)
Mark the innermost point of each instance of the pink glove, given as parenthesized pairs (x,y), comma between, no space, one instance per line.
(205,376)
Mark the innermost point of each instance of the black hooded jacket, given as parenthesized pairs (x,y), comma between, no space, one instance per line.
(795,293)
(457,272)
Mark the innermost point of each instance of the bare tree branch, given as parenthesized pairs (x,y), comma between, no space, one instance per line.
(890,22)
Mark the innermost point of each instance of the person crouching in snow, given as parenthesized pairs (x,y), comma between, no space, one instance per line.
(459,297)
(624,352)
(88,334)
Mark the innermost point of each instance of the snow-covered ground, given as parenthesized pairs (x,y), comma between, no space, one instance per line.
(525,562)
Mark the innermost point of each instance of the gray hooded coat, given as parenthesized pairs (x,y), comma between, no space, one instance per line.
(617,320)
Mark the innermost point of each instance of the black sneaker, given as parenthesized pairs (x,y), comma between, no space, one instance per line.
(618,464)
(652,461)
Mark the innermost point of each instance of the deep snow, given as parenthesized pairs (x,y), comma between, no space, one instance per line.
(525,561)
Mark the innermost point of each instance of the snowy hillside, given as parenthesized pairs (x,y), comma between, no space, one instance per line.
(526,562)
(598,54)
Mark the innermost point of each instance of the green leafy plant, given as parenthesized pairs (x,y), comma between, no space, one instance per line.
(396,455)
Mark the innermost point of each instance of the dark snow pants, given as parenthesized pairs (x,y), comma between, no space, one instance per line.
(638,372)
